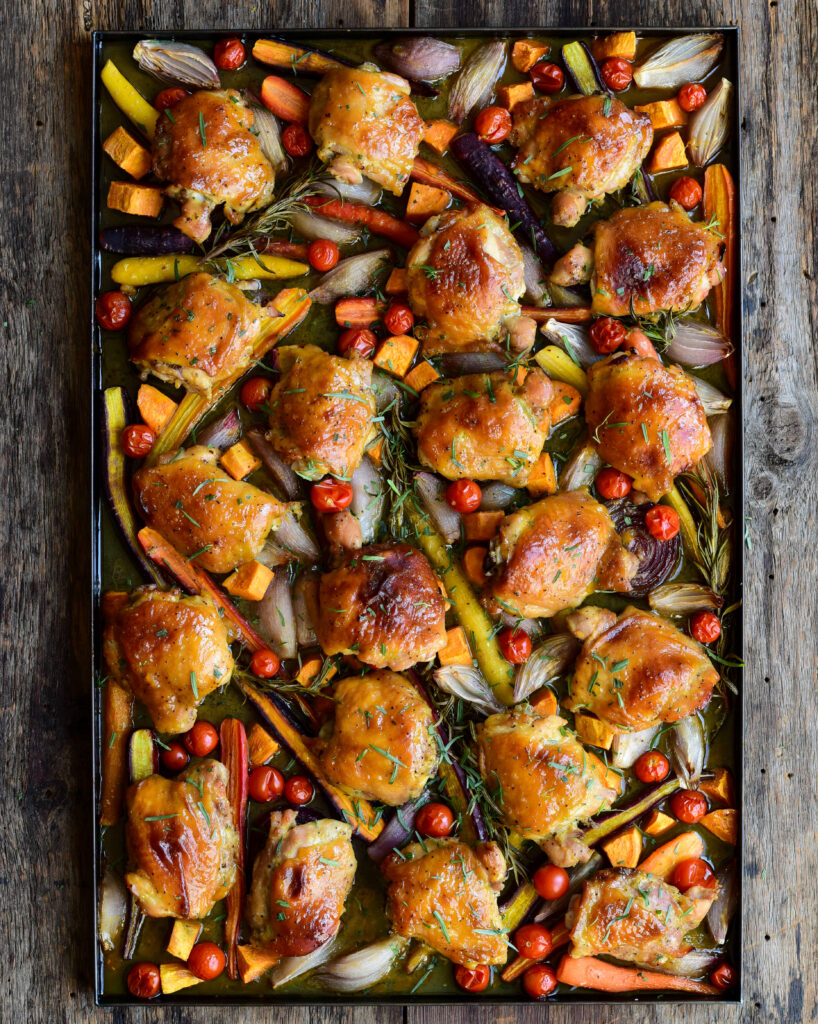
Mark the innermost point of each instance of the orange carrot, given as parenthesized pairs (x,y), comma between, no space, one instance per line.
(428,174)
(233,740)
(588,972)
(664,859)
(117,721)
(720,206)
(569,315)
(378,222)
(641,344)
(358,312)
(285,100)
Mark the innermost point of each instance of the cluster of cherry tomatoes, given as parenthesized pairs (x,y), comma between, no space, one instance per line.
(206,961)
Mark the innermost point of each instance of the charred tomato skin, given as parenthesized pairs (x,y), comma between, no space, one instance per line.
(399,318)
(687,192)
(169,97)
(607,334)
(229,54)
(113,310)
(137,440)
(616,73)
(360,340)
(724,976)
(547,77)
(493,125)
(298,790)
(652,766)
(692,872)
(691,96)
(662,522)
(323,254)
(295,140)
(330,495)
(705,627)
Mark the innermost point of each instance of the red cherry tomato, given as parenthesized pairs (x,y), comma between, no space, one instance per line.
(464,496)
(616,73)
(607,334)
(298,790)
(295,140)
(473,979)
(724,976)
(551,882)
(662,522)
(399,318)
(229,54)
(547,77)
(515,644)
(611,483)
(691,96)
(539,981)
(137,440)
(206,961)
(687,192)
(265,784)
(169,97)
(323,254)
(652,766)
(434,820)
(255,392)
(705,627)
(493,125)
(688,805)
(330,495)
(201,740)
(265,663)
(144,981)
(533,941)
(113,310)
(362,341)
(175,758)
(692,872)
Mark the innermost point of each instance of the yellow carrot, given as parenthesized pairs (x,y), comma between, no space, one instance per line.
(141,270)
(131,102)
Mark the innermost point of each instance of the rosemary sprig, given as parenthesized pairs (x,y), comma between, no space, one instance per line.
(399,464)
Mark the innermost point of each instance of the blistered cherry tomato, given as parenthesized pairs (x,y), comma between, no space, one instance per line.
(539,981)
(551,882)
(206,961)
(434,820)
(533,941)
(360,340)
(322,254)
(330,495)
(229,54)
(724,976)
(464,496)
(255,392)
(611,483)
(692,872)
(688,805)
(547,77)
(298,790)
(493,125)
(265,784)
(473,979)
(607,334)
(652,766)
(399,318)
(687,192)
(265,663)
(295,140)
(705,627)
(201,740)
(662,522)
(144,981)
(515,644)
(616,73)
(691,96)
(113,310)
(137,440)
(175,758)
(169,97)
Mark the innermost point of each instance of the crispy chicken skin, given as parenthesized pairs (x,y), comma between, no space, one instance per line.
(547,779)
(646,420)
(631,915)
(207,151)
(170,651)
(182,844)
(321,411)
(572,147)
(484,426)
(464,276)
(364,123)
(444,893)
(196,332)
(301,880)
(383,605)
(661,674)
(551,555)
(382,745)
(194,504)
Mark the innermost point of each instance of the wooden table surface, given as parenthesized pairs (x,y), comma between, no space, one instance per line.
(44,530)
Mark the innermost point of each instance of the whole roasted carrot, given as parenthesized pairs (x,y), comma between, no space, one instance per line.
(588,972)
(233,741)
(358,313)
(720,208)
(285,100)
(378,222)
(428,174)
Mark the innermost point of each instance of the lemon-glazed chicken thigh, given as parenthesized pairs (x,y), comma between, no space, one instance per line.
(301,880)
(646,419)
(551,555)
(382,744)
(207,151)
(581,147)
(383,605)
(484,426)
(444,893)
(169,650)
(182,844)
(464,277)
(202,511)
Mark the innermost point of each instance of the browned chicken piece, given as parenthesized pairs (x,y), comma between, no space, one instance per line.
(206,148)
(182,844)
(581,147)
(465,276)
(196,332)
(301,880)
(364,123)
(484,426)
(170,651)
(632,915)
(637,670)
(383,605)
(646,420)
(321,411)
(194,504)
(551,555)
(444,893)
(541,777)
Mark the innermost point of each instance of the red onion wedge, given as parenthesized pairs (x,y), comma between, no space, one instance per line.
(291,967)
(171,61)
(293,537)
(443,516)
(658,560)
(419,58)
(276,617)
(696,344)
(475,83)
(536,289)
(398,829)
(222,432)
(709,126)
(496,496)
(719,458)
(354,275)
(311,225)
(366,191)
(303,608)
(714,401)
(265,123)
(113,908)
(291,484)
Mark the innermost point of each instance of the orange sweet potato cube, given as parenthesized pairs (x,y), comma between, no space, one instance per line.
(253,962)
(396,353)
(625,849)
(544,702)
(183,937)
(396,282)
(543,478)
(376,451)
(594,731)
(127,153)
(456,651)
(155,408)
(664,114)
(140,200)
(617,44)
(657,822)
(439,135)
(425,201)
(240,460)
(509,96)
(260,745)
(565,402)
(526,52)
(481,525)
(668,154)
(421,376)
(250,581)
(473,559)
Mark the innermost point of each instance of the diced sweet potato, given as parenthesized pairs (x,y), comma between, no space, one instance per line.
(481,525)
(526,52)
(509,96)
(127,153)
(183,937)
(376,451)
(456,651)
(310,667)
(518,375)
(473,558)
(396,353)
(617,44)
(174,977)
(425,201)
(657,822)
(565,402)
(139,200)
(664,114)
(668,154)
(543,478)
(664,859)
(421,376)
(260,745)
(396,282)
(250,581)
(240,460)
(154,407)
(594,731)
(544,702)
(439,135)
(253,962)
(720,788)
(625,849)
(723,824)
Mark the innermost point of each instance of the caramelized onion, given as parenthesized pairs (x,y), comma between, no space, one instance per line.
(176,62)
(363,968)
(475,83)
(466,682)
(658,559)
(709,127)
(420,58)
(686,59)
(683,599)
(548,660)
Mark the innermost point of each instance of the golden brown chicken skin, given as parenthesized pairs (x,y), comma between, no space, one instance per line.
(464,277)
(364,123)
(321,411)
(637,670)
(444,893)
(383,605)
(553,554)
(301,880)
(382,745)
(170,651)
(196,332)
(194,504)
(206,149)
(581,147)
(646,420)
(182,844)
(484,426)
